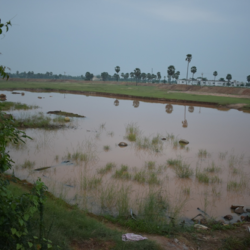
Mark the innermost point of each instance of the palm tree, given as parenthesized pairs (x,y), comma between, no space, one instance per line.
(117,70)
(149,76)
(171,71)
(159,76)
(193,70)
(188,58)
(248,79)
(215,74)
(137,73)
(132,75)
(228,77)
(143,76)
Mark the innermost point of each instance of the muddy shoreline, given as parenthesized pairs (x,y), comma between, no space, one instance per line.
(138,98)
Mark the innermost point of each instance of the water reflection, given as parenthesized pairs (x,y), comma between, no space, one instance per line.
(169,108)
(136,103)
(185,123)
(191,109)
(116,102)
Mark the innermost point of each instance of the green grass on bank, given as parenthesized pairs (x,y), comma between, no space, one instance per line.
(69,224)
(15,106)
(113,88)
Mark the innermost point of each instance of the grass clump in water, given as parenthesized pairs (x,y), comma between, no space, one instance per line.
(202,153)
(109,166)
(28,164)
(236,186)
(132,131)
(140,177)
(59,119)
(150,165)
(122,173)
(202,177)
(212,168)
(155,144)
(106,148)
(173,162)
(183,170)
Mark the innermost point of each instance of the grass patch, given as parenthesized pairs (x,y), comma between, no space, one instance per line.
(16,106)
(181,169)
(140,177)
(212,168)
(150,165)
(63,113)
(155,144)
(233,243)
(65,223)
(202,177)
(113,88)
(28,164)
(122,173)
(106,148)
(132,131)
(236,186)
(109,166)
(202,153)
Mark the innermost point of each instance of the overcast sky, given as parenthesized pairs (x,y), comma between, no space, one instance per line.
(96,35)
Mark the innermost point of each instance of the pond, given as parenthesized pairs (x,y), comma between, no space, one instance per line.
(90,169)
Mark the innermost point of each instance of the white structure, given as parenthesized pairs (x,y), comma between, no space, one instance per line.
(201,82)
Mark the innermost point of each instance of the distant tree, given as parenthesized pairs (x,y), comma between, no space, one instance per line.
(188,59)
(126,76)
(122,75)
(229,78)
(116,77)
(164,81)
(88,76)
(215,74)
(159,76)
(137,73)
(117,70)
(171,71)
(153,77)
(104,76)
(17,73)
(143,76)
(248,79)
(177,74)
(149,76)
(132,74)
(222,80)
(193,70)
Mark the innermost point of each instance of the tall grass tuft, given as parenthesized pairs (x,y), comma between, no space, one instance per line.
(132,131)
(109,166)
(122,173)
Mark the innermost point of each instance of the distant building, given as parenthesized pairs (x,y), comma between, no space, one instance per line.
(201,82)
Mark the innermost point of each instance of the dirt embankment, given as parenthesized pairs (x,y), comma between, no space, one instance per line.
(225,91)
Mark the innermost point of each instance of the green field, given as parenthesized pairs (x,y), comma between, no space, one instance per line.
(114,88)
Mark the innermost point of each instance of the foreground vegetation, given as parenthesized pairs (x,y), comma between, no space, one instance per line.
(69,227)
(110,88)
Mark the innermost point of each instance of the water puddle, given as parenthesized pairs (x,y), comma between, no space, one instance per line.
(85,165)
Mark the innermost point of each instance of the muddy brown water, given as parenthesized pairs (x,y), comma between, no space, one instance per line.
(223,135)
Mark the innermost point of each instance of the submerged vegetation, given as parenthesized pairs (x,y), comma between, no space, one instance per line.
(16,106)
